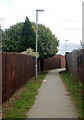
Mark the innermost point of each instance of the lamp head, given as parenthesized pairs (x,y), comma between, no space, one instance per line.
(66,40)
(39,10)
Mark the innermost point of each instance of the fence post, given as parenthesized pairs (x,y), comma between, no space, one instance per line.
(41,64)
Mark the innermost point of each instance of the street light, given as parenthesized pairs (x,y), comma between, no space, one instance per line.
(38,10)
(65,46)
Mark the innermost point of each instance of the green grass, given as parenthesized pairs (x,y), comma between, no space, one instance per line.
(23,105)
(76,90)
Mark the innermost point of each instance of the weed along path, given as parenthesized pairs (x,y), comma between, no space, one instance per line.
(53,101)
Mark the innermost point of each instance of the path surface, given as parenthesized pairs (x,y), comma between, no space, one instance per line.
(53,101)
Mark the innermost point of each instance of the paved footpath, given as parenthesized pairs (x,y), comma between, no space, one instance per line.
(53,101)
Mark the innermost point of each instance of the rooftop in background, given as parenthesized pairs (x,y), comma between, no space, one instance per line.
(69,47)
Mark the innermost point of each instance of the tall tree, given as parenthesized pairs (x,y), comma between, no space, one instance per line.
(47,42)
(28,35)
(22,36)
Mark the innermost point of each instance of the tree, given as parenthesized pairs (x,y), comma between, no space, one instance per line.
(22,36)
(11,38)
(47,42)
(19,37)
(28,35)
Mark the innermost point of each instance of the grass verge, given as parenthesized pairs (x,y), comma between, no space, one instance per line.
(21,106)
(75,88)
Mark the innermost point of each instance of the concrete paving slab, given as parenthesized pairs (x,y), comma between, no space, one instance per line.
(53,101)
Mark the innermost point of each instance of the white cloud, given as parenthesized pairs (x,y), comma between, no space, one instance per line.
(63,17)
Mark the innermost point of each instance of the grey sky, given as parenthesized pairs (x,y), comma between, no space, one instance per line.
(63,17)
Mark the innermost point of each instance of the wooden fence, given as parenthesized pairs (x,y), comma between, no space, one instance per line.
(62,60)
(17,69)
(0,78)
(75,64)
(51,63)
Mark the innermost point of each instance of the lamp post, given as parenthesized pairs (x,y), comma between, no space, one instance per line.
(65,46)
(38,10)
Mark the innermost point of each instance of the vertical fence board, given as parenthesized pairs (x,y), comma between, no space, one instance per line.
(75,64)
(17,69)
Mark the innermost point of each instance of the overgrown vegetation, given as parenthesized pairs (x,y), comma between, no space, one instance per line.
(20,107)
(76,90)
(30,52)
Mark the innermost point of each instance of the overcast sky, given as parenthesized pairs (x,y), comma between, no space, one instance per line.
(63,17)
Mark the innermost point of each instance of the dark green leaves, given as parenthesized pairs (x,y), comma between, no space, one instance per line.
(22,36)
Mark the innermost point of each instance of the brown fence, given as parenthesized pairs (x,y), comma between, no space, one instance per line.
(62,61)
(0,78)
(75,64)
(62,58)
(17,69)
(51,63)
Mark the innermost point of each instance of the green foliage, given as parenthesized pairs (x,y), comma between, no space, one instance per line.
(28,35)
(47,42)
(19,37)
(30,52)
(12,38)
(22,36)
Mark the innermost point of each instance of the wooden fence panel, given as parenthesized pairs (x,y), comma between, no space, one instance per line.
(17,69)
(0,80)
(75,64)
(51,63)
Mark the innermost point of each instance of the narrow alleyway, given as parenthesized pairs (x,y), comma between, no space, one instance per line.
(53,101)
